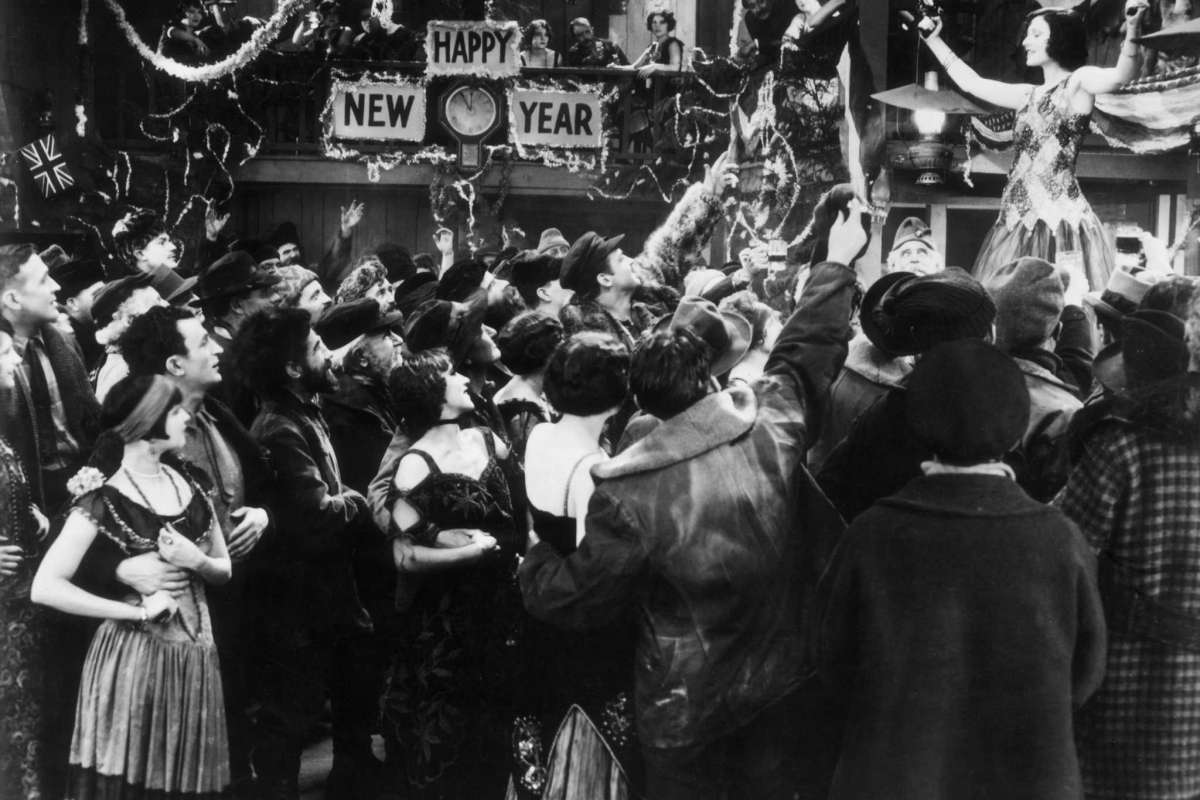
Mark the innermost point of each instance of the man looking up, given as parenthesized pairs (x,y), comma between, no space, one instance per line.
(536,277)
(171,341)
(306,595)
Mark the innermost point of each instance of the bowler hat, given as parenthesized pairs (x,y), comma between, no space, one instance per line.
(727,333)
(967,402)
(233,274)
(73,277)
(551,238)
(113,294)
(587,258)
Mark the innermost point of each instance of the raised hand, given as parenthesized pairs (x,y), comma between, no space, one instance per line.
(351,216)
(214,223)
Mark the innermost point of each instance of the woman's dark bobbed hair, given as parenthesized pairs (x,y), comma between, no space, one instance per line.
(1068,37)
(667,16)
(587,374)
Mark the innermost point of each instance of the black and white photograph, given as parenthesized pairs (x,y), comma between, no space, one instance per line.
(599,400)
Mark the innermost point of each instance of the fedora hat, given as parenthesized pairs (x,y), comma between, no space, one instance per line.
(233,274)
(1121,296)
(727,333)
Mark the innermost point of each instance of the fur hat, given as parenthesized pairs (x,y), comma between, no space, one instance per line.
(912,313)
(967,402)
(1029,295)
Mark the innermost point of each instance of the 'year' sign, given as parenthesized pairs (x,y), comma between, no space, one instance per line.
(554,119)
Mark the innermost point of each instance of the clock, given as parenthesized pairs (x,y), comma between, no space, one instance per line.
(470,111)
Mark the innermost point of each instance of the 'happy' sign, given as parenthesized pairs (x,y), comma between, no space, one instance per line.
(378,111)
(473,48)
(555,119)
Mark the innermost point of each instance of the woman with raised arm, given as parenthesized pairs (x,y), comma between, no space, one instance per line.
(446,709)
(1043,211)
(150,717)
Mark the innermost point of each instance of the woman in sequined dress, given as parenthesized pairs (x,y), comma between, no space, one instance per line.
(1042,210)
(22,627)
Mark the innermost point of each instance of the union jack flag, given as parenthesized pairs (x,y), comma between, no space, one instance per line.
(47,166)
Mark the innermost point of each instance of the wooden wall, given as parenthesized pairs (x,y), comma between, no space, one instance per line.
(403,215)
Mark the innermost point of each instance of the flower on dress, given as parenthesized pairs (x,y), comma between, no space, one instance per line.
(88,479)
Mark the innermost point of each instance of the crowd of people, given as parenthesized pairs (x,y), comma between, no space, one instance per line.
(563,522)
(200,31)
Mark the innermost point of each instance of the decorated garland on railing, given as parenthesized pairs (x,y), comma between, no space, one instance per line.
(259,41)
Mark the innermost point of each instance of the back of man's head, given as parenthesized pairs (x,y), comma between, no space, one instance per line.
(152,338)
(1029,296)
(670,371)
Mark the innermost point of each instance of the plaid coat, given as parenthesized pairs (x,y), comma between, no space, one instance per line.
(1136,496)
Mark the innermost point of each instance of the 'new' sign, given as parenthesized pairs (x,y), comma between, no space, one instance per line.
(378,111)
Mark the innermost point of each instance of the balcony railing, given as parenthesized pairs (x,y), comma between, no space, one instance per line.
(285,93)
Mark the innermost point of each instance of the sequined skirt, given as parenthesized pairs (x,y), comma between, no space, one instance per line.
(1004,244)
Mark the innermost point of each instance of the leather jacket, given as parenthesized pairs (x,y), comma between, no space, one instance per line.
(711,526)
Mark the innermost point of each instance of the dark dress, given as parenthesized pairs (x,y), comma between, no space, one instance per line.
(447,705)
(150,719)
(22,641)
(579,710)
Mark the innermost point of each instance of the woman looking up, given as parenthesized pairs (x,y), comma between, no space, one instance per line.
(150,718)
(1043,211)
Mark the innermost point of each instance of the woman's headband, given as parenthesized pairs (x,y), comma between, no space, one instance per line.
(149,410)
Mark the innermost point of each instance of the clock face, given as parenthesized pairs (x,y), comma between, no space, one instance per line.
(470,111)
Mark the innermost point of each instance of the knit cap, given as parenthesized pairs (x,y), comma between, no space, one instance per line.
(1029,295)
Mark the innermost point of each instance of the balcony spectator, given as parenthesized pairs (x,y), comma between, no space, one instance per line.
(535,46)
(180,39)
(322,31)
(386,40)
(228,31)
(665,53)
(588,51)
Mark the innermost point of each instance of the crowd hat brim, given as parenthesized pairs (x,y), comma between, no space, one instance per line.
(234,274)
(874,295)
(73,277)
(727,333)
(113,294)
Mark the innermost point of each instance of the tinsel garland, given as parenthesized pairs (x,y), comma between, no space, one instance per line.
(259,41)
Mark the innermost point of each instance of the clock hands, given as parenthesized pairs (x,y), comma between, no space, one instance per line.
(467,98)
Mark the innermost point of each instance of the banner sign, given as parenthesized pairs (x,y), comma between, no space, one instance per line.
(555,119)
(381,111)
(482,49)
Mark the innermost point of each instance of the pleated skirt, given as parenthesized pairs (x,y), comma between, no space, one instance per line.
(150,720)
